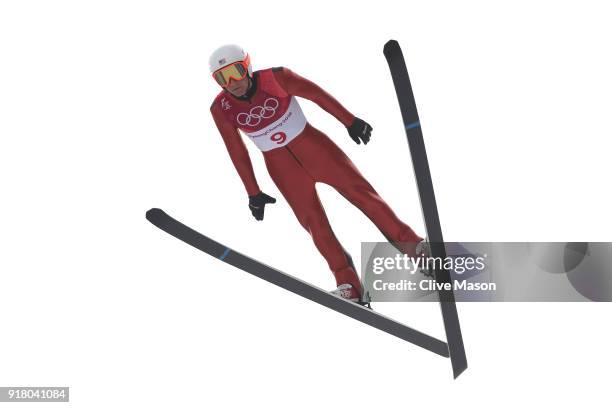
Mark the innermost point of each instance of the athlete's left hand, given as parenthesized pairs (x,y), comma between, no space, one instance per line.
(360,130)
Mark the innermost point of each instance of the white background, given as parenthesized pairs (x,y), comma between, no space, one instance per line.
(104,114)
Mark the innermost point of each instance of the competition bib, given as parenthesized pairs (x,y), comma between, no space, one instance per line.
(278,133)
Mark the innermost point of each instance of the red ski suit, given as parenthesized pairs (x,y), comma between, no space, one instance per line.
(297,156)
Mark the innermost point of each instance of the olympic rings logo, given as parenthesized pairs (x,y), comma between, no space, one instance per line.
(257,113)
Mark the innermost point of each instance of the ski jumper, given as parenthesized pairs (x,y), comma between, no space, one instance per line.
(297,156)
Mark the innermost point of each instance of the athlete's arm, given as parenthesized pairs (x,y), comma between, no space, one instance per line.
(237,151)
(302,87)
(358,129)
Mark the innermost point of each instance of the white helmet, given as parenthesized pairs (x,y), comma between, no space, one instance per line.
(225,55)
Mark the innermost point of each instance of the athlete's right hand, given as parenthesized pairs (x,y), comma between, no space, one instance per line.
(257,204)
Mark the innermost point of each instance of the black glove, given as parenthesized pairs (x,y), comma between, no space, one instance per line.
(257,204)
(360,130)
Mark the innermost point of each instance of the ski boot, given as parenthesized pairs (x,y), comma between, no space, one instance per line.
(348,292)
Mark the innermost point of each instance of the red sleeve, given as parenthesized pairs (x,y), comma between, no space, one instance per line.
(302,87)
(237,151)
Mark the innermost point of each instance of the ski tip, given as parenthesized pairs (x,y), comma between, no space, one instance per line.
(154,213)
(390,46)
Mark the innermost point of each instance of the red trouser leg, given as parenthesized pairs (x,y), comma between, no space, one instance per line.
(298,188)
(328,164)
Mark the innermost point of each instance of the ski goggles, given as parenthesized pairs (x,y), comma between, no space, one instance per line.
(236,71)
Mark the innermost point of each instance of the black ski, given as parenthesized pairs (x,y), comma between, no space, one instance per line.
(403,89)
(363,314)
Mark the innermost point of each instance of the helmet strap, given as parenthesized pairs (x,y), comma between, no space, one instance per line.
(252,88)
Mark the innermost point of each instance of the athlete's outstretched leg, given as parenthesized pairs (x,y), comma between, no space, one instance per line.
(298,188)
(333,167)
